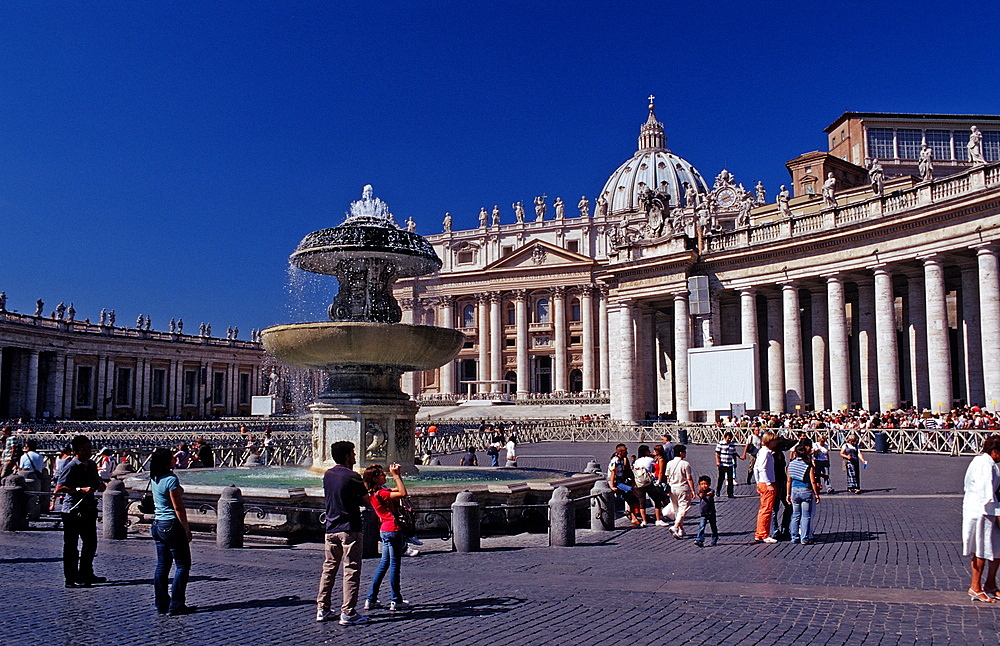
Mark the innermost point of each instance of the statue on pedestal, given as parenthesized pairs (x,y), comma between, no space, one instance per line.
(560,208)
(761,193)
(483,217)
(540,208)
(173,326)
(584,207)
(602,207)
(39,306)
(3,301)
(496,215)
(975,146)
(71,312)
(518,212)
(61,310)
(180,326)
(111,318)
(447,223)
(829,186)
(925,164)
(876,175)
(783,209)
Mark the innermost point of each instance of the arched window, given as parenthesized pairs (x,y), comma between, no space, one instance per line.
(574,310)
(542,310)
(469,316)
(575,381)
(511,385)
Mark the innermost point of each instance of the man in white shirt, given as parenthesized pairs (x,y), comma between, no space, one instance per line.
(763,470)
(678,474)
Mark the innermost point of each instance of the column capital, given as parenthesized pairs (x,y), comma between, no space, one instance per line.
(520,295)
(790,284)
(682,295)
(932,259)
(587,290)
(605,289)
(483,298)
(495,297)
(446,300)
(559,291)
(405,303)
(984,249)
(880,268)
(748,291)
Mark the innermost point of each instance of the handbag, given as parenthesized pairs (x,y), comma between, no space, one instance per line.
(146,505)
(405,519)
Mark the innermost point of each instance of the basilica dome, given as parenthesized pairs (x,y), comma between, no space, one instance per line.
(653,166)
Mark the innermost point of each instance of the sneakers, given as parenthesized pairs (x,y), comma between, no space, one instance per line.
(411,551)
(350,620)
(398,605)
(643,524)
(325,615)
(413,540)
(699,544)
(372,605)
(662,523)
(770,539)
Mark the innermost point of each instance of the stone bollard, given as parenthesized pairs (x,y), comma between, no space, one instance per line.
(13,504)
(122,470)
(33,483)
(115,498)
(465,522)
(602,507)
(229,518)
(370,536)
(593,467)
(562,519)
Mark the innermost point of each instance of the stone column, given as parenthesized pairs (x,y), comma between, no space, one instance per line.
(989,320)
(587,320)
(31,385)
(496,342)
(626,361)
(885,335)
(682,342)
(409,381)
(795,382)
(820,364)
(645,326)
(521,320)
(560,377)
(775,355)
(748,316)
(917,334)
(938,347)
(58,381)
(483,341)
(68,397)
(866,345)
(603,340)
(446,315)
(972,338)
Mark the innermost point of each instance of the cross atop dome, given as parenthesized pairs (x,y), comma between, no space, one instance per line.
(651,135)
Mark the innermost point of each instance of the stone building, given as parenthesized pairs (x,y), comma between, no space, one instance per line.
(862,298)
(65,369)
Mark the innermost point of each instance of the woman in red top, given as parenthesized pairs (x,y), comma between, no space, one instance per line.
(383,501)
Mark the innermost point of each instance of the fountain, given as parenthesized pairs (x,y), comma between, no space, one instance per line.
(363,348)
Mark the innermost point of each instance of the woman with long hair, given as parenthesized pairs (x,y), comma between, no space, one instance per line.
(171,534)
(853,460)
(384,502)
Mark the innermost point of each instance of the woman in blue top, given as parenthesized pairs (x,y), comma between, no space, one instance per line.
(171,534)
(803,494)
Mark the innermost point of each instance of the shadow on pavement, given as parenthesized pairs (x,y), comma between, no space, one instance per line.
(126,582)
(846,537)
(287,601)
(29,559)
(469,608)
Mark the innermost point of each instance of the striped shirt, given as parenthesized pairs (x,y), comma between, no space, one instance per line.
(798,471)
(727,453)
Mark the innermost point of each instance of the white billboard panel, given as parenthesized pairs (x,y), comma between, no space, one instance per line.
(722,375)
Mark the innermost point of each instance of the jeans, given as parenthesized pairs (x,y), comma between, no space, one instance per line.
(802,509)
(727,474)
(393,545)
(495,460)
(78,564)
(707,521)
(172,547)
(340,547)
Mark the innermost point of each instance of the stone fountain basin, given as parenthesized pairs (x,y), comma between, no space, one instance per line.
(325,344)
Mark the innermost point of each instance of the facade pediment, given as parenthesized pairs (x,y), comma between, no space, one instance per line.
(538,253)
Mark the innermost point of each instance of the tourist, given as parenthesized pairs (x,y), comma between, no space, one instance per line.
(726,454)
(784,520)
(644,474)
(803,494)
(81,484)
(621,482)
(980,509)
(853,461)
(171,534)
(668,448)
(344,494)
(707,512)
(493,450)
(384,502)
(106,464)
(267,447)
(763,471)
(204,452)
(469,459)
(511,448)
(751,449)
(182,457)
(821,463)
(65,457)
(7,463)
(31,460)
(659,470)
(682,488)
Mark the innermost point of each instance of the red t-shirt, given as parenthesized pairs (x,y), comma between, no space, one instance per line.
(383,505)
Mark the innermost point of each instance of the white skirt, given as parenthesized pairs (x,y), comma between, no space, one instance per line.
(981,537)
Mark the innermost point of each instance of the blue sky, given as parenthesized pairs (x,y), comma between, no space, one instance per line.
(166,158)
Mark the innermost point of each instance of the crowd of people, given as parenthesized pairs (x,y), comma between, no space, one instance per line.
(963,418)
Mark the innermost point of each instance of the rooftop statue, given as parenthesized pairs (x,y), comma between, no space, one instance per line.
(975,146)
(411,226)
(446,223)
(829,188)
(602,206)
(518,212)
(540,208)
(496,215)
(584,206)
(761,193)
(560,208)
(39,306)
(783,209)
(690,196)
(876,175)
(484,217)
(925,164)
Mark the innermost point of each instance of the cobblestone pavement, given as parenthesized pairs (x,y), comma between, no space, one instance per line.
(887,569)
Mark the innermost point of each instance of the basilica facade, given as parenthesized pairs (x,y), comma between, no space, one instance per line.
(875,285)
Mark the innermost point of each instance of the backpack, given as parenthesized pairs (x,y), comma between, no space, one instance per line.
(642,477)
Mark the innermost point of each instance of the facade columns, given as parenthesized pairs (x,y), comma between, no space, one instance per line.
(885,337)
(917,333)
(989,320)
(521,321)
(840,371)
(587,321)
(409,380)
(645,343)
(820,365)
(775,356)
(748,316)
(938,352)
(602,332)
(972,338)
(795,384)
(626,360)
(496,343)
(483,340)
(682,342)
(31,385)
(866,345)
(560,380)
(446,317)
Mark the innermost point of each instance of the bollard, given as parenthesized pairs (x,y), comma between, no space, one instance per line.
(602,507)
(465,522)
(13,504)
(229,518)
(593,467)
(562,519)
(115,500)
(33,483)
(370,535)
(122,470)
